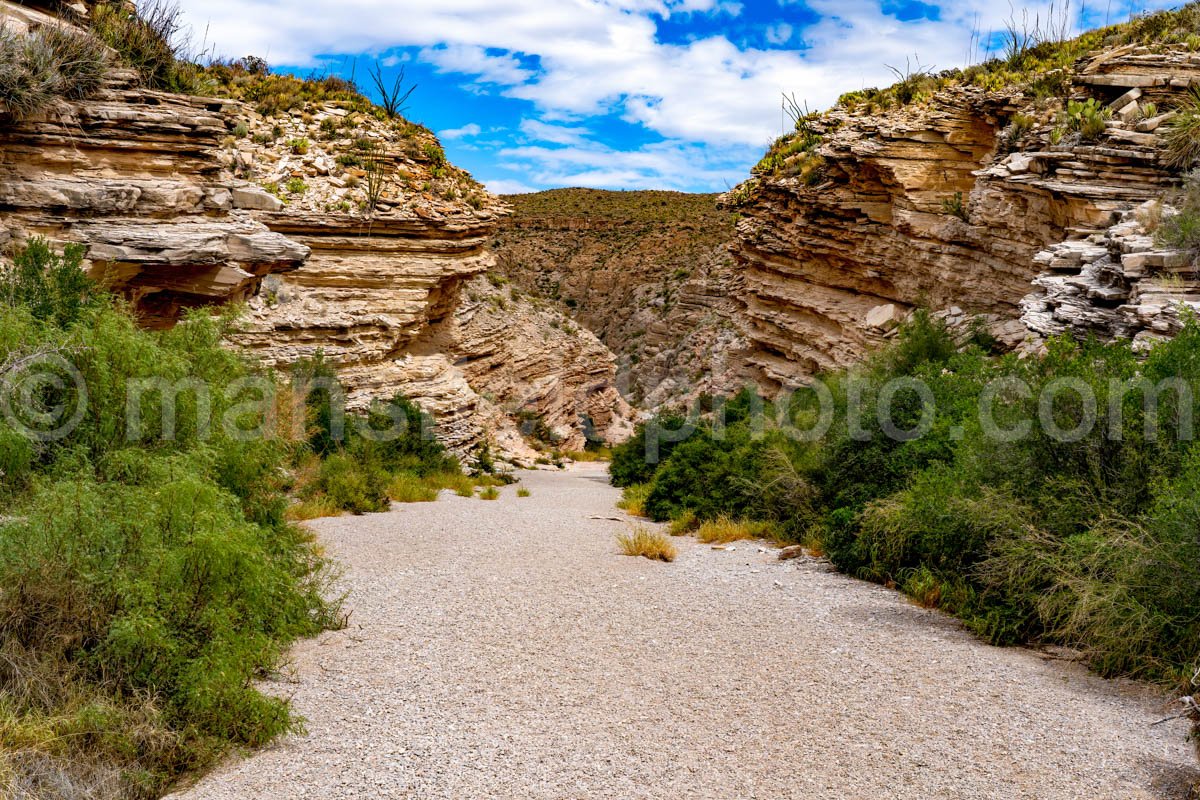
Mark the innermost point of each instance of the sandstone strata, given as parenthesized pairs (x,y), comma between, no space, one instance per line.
(830,268)
(191,201)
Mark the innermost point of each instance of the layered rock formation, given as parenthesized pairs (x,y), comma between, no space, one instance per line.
(131,174)
(648,272)
(347,235)
(944,203)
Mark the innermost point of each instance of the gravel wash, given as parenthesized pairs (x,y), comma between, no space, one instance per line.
(504,649)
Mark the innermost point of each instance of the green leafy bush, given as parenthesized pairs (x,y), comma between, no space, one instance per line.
(147,577)
(1086,536)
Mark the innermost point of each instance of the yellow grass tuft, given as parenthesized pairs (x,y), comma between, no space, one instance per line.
(490,493)
(408,488)
(523,492)
(725,529)
(684,522)
(633,500)
(649,544)
(315,507)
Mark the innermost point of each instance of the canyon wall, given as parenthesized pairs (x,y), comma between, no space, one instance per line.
(949,204)
(345,234)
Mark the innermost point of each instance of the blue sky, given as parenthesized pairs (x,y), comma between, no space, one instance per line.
(617,94)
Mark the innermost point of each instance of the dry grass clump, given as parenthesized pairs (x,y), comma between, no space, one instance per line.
(1182,135)
(523,492)
(589,456)
(633,499)
(684,522)
(725,529)
(490,493)
(48,64)
(642,541)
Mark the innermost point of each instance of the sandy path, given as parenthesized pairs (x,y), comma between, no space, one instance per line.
(505,649)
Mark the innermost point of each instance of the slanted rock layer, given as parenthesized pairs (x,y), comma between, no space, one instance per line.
(949,203)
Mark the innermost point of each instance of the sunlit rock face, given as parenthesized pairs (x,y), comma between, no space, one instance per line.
(185,202)
(949,205)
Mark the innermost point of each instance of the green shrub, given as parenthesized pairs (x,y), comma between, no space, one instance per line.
(146,580)
(1088,540)
(353,485)
(51,287)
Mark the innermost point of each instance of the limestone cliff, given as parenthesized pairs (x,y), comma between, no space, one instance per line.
(959,202)
(649,273)
(345,233)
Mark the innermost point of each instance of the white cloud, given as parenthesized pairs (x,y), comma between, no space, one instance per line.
(780,34)
(663,165)
(574,60)
(509,187)
(555,134)
(505,70)
(461,133)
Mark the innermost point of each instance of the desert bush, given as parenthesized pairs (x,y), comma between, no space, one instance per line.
(146,580)
(1182,229)
(148,40)
(50,286)
(351,484)
(1040,537)
(955,207)
(49,63)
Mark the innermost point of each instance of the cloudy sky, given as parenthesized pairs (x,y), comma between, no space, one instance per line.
(618,94)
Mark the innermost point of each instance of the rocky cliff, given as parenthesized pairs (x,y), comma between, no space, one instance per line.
(960,201)
(649,273)
(345,232)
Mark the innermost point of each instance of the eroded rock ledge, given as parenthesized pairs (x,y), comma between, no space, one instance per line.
(830,268)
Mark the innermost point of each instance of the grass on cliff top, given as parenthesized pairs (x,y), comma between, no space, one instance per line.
(48,64)
(1034,57)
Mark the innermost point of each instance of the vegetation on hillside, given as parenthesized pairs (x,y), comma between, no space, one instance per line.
(648,206)
(48,64)
(1086,537)
(1035,59)
(149,571)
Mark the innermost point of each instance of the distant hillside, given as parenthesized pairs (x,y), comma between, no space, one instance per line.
(649,272)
